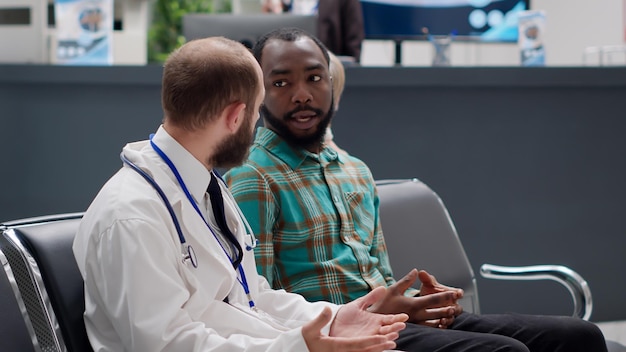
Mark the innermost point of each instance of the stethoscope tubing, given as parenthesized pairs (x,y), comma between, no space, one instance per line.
(187,251)
(190,253)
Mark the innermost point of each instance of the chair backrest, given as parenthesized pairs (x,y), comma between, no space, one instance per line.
(420,234)
(16,330)
(46,245)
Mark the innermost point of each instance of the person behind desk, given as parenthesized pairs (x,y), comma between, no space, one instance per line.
(316,212)
(340,22)
(169,266)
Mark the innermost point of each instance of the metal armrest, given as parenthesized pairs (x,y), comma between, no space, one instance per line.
(575,284)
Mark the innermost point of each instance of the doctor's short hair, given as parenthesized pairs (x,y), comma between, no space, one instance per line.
(203,77)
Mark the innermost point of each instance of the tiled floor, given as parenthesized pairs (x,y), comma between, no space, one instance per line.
(614,330)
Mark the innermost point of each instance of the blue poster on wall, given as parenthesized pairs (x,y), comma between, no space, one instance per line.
(84,32)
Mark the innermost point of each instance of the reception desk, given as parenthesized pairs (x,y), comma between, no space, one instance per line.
(529,161)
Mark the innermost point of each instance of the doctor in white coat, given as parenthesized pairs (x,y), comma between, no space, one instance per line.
(160,274)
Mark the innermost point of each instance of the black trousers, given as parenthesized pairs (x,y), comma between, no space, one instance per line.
(505,332)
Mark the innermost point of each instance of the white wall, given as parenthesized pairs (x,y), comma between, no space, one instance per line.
(24,43)
(572,25)
(130,45)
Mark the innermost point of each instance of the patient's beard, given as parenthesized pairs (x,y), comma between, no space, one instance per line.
(311,141)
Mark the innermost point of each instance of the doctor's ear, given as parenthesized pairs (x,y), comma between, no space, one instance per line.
(234,115)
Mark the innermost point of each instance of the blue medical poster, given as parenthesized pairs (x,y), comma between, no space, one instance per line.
(531,31)
(84,32)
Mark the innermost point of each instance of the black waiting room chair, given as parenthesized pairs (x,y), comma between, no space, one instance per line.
(40,267)
(411,212)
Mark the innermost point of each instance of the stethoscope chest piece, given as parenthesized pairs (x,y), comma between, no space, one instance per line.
(191,256)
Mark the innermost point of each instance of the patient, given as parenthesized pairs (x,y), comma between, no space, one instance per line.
(316,214)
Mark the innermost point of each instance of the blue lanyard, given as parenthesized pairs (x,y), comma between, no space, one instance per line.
(242,279)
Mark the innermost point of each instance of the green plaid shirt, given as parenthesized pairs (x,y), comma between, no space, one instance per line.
(316,218)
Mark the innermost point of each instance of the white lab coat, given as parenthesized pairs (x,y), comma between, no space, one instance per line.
(141,296)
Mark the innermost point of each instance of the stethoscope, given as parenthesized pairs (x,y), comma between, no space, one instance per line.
(187,250)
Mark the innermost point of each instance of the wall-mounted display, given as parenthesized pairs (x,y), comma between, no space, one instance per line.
(484,20)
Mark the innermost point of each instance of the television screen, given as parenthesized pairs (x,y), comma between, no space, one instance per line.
(245,28)
(485,20)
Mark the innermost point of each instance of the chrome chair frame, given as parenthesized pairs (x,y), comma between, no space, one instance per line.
(571,280)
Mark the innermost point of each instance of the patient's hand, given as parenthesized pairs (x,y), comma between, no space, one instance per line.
(437,308)
(430,285)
